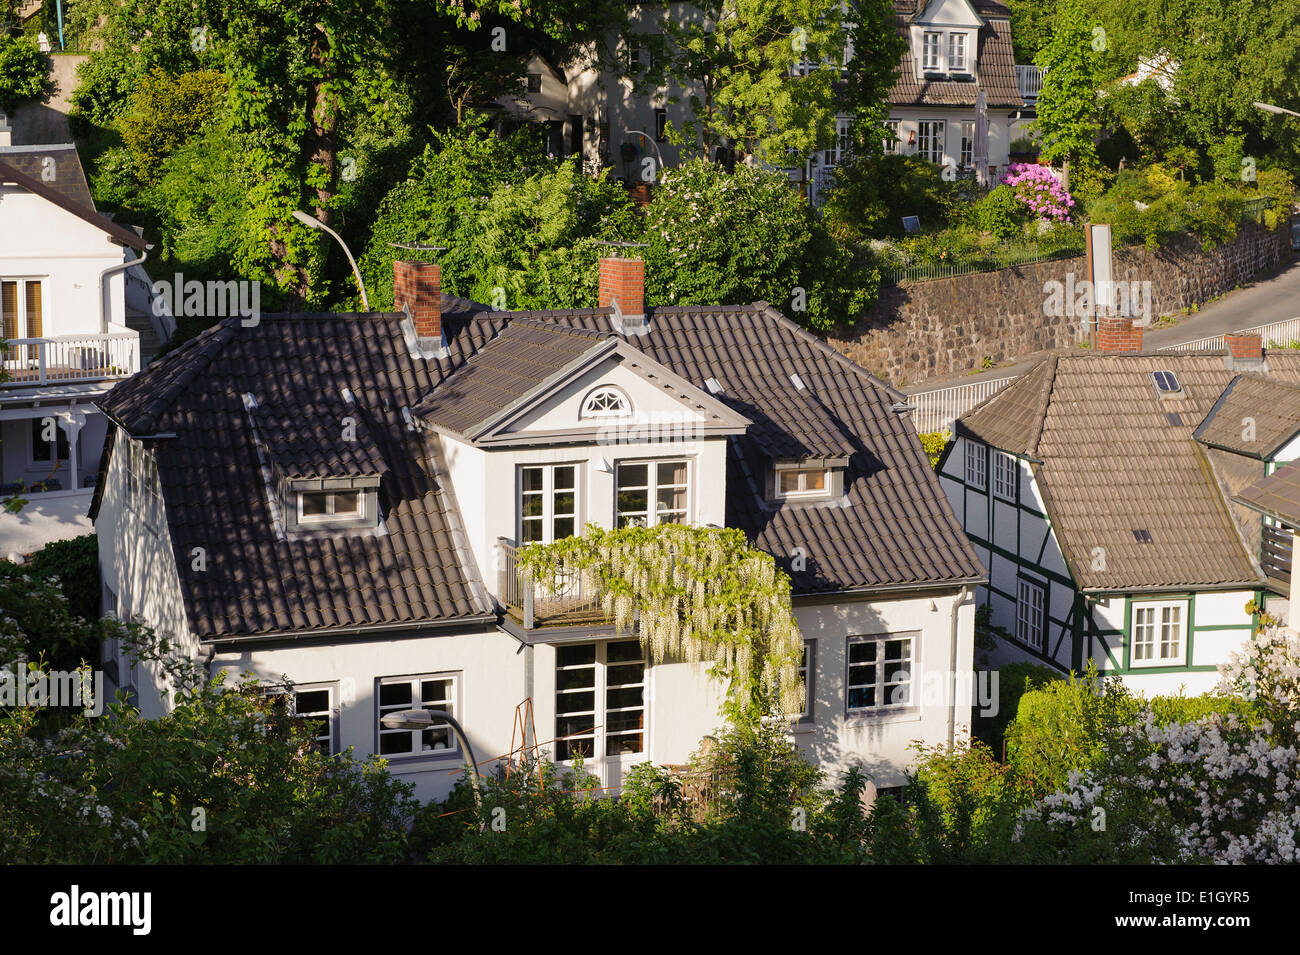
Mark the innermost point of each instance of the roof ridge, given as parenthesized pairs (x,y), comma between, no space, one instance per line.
(1041,420)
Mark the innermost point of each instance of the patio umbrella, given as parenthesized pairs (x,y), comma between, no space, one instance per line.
(981,156)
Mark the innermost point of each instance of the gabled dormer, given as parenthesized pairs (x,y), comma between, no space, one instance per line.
(321,468)
(945,40)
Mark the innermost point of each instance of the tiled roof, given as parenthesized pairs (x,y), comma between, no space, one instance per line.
(1117,458)
(524,356)
(892,529)
(1255,416)
(1277,495)
(995,67)
(58,166)
(318,439)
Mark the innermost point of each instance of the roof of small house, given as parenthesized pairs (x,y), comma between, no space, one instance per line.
(995,64)
(891,529)
(1277,495)
(1113,457)
(1255,416)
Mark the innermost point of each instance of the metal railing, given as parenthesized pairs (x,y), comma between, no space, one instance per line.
(1275,335)
(1009,255)
(40,361)
(1030,81)
(568,599)
(937,410)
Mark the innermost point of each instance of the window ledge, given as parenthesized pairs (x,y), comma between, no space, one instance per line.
(904,714)
(413,760)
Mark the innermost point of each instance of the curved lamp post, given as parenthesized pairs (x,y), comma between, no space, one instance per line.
(312,222)
(429,719)
(1270,108)
(640,132)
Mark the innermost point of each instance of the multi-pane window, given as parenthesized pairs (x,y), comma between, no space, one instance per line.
(1158,633)
(21,316)
(314,707)
(843,138)
(967,156)
(957,52)
(605,402)
(976,475)
(807,667)
(414,693)
(651,492)
(880,671)
(144,490)
(802,482)
(599,699)
(929,140)
(930,49)
(892,142)
(318,506)
(1004,476)
(548,503)
(1029,613)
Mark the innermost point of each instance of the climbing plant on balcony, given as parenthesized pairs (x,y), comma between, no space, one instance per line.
(697,594)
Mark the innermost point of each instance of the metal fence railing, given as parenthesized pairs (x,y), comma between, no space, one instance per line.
(1275,335)
(537,603)
(1009,255)
(937,410)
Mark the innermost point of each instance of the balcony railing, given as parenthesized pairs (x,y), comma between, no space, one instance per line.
(1030,81)
(566,601)
(41,361)
(1276,553)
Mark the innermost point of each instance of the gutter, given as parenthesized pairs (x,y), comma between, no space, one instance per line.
(296,636)
(122,267)
(957,604)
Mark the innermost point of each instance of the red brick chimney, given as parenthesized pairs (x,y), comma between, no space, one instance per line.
(1117,334)
(1245,347)
(623,279)
(418,287)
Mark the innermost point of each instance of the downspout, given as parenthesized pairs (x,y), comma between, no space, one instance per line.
(957,604)
(121,267)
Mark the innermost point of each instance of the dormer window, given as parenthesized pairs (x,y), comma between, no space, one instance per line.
(957,52)
(930,50)
(605,402)
(316,507)
(809,482)
(809,479)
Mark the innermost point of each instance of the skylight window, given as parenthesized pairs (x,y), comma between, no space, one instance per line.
(1166,382)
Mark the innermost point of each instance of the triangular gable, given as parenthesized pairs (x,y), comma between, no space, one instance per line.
(117,233)
(949,13)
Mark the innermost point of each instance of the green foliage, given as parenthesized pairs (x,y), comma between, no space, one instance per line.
(872,74)
(720,238)
(164,112)
(1014,681)
(74,565)
(694,594)
(934,443)
(1000,213)
(873,193)
(24,71)
(1068,110)
(42,618)
(1276,182)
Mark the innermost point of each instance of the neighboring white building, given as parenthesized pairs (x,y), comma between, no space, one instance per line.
(1099,492)
(63,312)
(337,500)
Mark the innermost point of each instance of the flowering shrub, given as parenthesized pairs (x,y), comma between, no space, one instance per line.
(1038,189)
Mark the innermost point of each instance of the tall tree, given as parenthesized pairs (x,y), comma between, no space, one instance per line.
(1069,108)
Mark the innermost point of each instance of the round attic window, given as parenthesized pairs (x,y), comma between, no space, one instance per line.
(605,401)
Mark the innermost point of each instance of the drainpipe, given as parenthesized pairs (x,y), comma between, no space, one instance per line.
(957,604)
(103,289)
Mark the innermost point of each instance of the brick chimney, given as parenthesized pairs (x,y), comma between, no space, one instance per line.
(624,280)
(417,290)
(1117,334)
(1245,351)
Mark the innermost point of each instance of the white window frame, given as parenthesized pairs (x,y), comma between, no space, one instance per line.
(548,493)
(977,474)
(1031,612)
(931,140)
(966,151)
(808,672)
(931,52)
(330,516)
(144,488)
(652,490)
(599,733)
(330,713)
(843,140)
(601,391)
(882,685)
(60,436)
(803,491)
(20,303)
(1158,610)
(893,145)
(1005,472)
(957,52)
(415,681)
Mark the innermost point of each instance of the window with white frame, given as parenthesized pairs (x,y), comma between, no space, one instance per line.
(49,440)
(1004,476)
(22,311)
(314,706)
(427,692)
(976,473)
(548,503)
(957,52)
(651,492)
(802,482)
(931,45)
(1030,613)
(1159,633)
(143,489)
(966,158)
(880,671)
(605,402)
(807,670)
(843,138)
(600,704)
(317,507)
(929,140)
(892,143)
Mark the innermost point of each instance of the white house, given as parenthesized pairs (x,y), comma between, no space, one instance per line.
(63,313)
(338,500)
(1099,491)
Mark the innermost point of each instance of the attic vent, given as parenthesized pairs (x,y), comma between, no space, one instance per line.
(797,382)
(1142,536)
(714,386)
(1166,382)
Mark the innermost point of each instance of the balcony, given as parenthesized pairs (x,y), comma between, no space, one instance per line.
(1275,554)
(567,602)
(1030,81)
(70,358)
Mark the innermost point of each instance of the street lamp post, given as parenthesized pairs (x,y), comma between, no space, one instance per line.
(639,132)
(427,719)
(312,222)
(1270,108)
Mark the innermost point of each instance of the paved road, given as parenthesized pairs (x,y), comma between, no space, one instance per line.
(1274,299)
